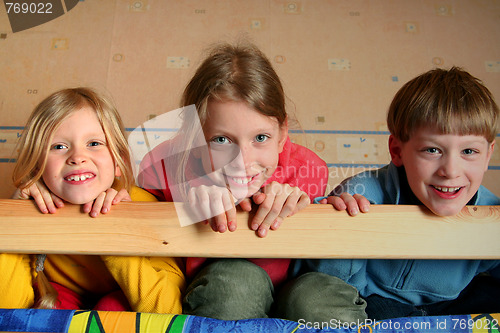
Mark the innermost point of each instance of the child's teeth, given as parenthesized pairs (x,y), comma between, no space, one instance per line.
(242,180)
(446,189)
(78,178)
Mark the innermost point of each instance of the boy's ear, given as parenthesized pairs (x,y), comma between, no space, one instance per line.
(395,148)
(491,148)
(283,135)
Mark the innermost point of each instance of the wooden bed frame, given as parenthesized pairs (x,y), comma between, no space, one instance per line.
(152,229)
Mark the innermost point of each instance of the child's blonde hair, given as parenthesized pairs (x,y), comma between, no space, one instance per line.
(450,101)
(34,143)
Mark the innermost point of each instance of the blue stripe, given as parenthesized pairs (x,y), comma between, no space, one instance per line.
(11,128)
(152,129)
(130,129)
(339,132)
(354,165)
(290,131)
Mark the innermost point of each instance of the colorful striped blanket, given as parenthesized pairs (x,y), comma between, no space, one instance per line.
(71,321)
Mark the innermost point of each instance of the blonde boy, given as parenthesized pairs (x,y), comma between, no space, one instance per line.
(443,126)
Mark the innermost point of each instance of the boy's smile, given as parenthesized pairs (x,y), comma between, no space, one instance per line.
(444,171)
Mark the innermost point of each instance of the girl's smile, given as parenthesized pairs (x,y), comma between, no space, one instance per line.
(244,146)
(79,177)
(79,163)
(243,181)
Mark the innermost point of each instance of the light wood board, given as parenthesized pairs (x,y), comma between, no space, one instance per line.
(145,228)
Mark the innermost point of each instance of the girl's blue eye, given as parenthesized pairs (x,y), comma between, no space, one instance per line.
(220,140)
(261,138)
(468,151)
(94,144)
(58,146)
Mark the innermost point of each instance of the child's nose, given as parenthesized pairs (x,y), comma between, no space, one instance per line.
(248,155)
(244,157)
(76,157)
(450,167)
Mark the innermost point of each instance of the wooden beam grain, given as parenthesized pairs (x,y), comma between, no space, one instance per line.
(152,229)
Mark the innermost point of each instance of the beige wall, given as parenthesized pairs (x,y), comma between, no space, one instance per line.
(341,61)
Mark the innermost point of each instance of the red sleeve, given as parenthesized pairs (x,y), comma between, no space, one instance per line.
(299,166)
(153,170)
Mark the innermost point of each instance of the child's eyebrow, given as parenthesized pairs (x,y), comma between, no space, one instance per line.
(87,137)
(223,131)
(100,137)
(269,128)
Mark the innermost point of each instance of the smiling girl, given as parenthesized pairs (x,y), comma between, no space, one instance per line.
(74,146)
(242,156)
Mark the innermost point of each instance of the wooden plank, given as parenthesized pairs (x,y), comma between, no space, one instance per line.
(145,228)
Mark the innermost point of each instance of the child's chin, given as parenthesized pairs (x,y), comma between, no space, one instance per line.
(240,194)
(244,192)
(446,211)
(80,200)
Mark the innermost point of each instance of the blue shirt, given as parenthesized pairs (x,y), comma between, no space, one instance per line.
(416,282)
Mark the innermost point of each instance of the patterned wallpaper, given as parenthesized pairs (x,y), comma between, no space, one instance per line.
(341,61)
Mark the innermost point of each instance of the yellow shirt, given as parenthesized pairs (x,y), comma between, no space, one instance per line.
(16,281)
(151,284)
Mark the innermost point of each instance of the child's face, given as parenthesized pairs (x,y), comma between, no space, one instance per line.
(444,171)
(79,164)
(244,146)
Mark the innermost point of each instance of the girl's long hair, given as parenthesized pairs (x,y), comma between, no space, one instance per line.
(34,146)
(34,143)
(231,72)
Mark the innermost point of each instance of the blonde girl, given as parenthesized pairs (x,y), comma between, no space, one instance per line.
(74,146)
(34,150)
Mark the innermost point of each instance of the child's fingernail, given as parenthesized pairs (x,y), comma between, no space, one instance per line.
(262,232)
(277,222)
(104,210)
(254,226)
